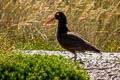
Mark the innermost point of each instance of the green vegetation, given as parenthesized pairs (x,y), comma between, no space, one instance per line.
(38,45)
(21,23)
(17,66)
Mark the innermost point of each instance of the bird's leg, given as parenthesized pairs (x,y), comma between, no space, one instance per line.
(80,60)
(75,57)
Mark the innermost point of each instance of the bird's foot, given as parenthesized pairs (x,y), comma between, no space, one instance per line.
(74,58)
(80,61)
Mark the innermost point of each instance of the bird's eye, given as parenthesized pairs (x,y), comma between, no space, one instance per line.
(57,14)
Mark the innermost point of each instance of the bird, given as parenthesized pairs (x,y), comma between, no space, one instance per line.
(69,40)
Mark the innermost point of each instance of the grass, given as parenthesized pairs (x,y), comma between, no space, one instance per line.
(17,66)
(21,23)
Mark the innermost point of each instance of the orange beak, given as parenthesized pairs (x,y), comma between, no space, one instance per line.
(50,20)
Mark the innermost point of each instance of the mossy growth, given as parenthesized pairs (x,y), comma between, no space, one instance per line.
(19,66)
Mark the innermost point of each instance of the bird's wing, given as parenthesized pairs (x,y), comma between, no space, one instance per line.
(74,41)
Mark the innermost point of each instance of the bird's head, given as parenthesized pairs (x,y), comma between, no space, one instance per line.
(59,16)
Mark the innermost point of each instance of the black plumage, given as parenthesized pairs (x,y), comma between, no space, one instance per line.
(69,40)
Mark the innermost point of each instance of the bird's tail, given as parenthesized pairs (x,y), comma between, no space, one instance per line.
(98,51)
(94,49)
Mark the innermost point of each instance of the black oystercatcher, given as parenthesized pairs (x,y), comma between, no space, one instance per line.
(69,40)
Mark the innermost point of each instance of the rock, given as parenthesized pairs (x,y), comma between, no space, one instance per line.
(99,66)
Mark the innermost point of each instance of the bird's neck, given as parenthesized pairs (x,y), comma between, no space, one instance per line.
(62,28)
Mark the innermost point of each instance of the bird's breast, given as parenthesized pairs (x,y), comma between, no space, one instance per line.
(60,38)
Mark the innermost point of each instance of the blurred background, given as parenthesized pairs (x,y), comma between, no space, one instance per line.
(21,23)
